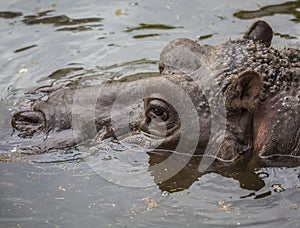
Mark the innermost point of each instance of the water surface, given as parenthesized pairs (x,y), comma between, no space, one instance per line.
(57,42)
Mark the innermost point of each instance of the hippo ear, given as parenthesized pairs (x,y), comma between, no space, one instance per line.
(260,30)
(244,92)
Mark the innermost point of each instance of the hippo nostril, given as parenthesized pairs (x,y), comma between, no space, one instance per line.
(28,121)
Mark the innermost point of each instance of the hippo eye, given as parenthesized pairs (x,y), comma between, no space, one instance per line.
(157,109)
(158,112)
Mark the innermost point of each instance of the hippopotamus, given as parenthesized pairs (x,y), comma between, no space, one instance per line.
(234,102)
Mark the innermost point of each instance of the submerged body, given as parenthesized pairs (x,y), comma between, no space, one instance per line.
(250,89)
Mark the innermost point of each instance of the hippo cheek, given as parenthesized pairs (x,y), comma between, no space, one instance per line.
(28,122)
(276,126)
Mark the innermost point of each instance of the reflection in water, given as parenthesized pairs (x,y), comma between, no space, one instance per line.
(205,37)
(78,28)
(43,17)
(285,36)
(63,20)
(57,20)
(284,8)
(144,26)
(250,176)
(62,73)
(9,15)
(117,72)
(114,161)
(145,36)
(125,161)
(25,48)
(190,173)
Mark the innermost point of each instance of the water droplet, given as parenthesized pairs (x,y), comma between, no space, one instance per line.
(263,175)
(133,4)
(165,194)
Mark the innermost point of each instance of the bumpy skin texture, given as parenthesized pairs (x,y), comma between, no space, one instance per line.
(275,112)
(259,86)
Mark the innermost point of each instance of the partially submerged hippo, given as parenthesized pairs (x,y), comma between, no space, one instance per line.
(238,101)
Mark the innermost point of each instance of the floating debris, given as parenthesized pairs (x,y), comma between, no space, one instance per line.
(52,5)
(5,158)
(225,206)
(150,202)
(120,12)
(165,194)
(60,188)
(295,207)
(277,188)
(23,70)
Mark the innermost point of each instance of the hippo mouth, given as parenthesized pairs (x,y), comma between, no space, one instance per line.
(161,119)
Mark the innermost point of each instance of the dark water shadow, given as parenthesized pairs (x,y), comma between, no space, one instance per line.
(190,173)
(249,176)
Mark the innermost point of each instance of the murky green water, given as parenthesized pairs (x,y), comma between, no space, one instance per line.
(56,42)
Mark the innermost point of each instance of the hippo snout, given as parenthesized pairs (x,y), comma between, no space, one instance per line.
(28,122)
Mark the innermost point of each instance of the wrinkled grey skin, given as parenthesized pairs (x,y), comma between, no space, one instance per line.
(71,116)
(258,87)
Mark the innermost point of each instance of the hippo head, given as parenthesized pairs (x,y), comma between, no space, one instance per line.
(228,101)
(176,122)
(224,119)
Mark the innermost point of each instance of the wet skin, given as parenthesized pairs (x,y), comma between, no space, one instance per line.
(252,86)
